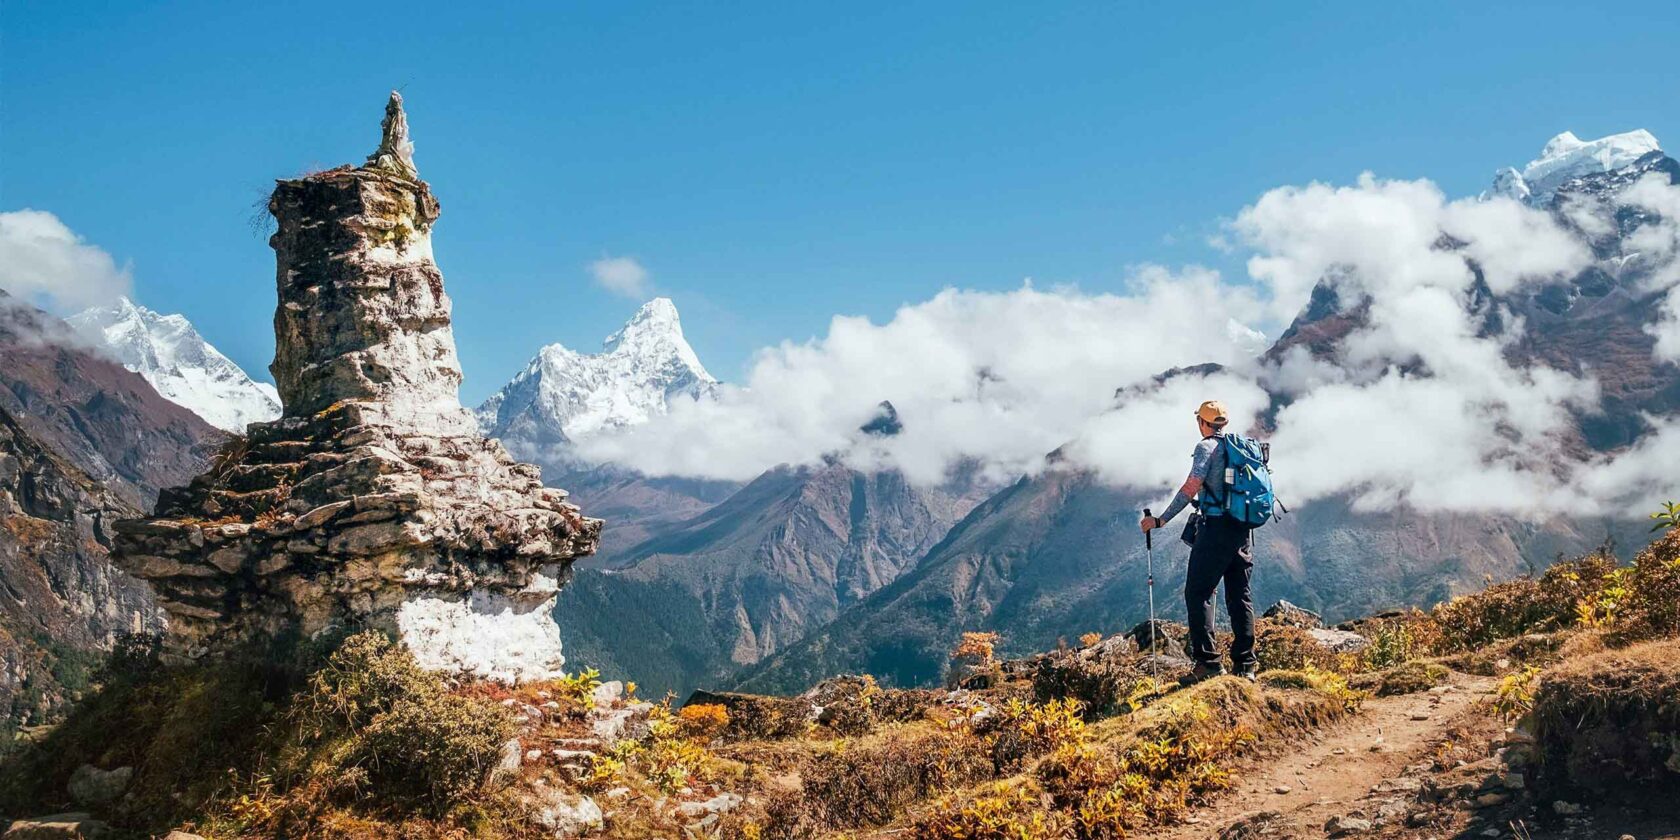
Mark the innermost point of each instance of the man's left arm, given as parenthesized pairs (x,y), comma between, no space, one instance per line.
(1192,486)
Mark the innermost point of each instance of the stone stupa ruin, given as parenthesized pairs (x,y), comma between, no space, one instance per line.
(373,501)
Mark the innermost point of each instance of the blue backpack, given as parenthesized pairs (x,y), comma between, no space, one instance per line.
(1248,483)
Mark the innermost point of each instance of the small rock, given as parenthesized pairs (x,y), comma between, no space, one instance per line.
(1565,808)
(70,826)
(90,785)
(1376,744)
(181,835)
(533,755)
(1281,789)
(1417,819)
(1514,781)
(1343,826)
(607,693)
(1489,800)
(1491,832)
(1420,716)
(1340,641)
(628,723)
(565,814)
(723,803)
(507,764)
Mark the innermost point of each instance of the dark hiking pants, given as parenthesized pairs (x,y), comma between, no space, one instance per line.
(1221,552)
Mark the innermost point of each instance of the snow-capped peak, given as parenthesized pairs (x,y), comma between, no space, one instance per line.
(170,354)
(562,395)
(1566,157)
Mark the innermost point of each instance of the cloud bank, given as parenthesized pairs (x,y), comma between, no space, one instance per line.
(1421,404)
(44,262)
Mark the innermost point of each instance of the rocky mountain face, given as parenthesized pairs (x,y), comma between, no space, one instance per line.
(170,354)
(774,562)
(372,502)
(83,443)
(61,601)
(1059,555)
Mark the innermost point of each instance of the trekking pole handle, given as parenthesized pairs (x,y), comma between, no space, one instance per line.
(1149,535)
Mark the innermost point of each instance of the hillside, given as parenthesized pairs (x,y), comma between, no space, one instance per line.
(83,443)
(772,563)
(1538,703)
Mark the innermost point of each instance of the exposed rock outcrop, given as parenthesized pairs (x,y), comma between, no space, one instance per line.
(372,501)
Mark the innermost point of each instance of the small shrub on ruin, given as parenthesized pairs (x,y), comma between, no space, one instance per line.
(704,721)
(578,688)
(1090,639)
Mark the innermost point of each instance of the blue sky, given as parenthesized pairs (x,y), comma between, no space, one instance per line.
(775,165)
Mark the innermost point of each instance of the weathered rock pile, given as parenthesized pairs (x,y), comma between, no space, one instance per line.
(372,501)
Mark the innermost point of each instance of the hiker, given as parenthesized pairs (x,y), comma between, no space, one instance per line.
(1221,549)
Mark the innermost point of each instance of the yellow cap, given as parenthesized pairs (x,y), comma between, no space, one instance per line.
(1212,412)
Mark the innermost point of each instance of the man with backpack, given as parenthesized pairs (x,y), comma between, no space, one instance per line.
(1230,485)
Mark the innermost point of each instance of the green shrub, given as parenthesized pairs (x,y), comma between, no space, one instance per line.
(1651,607)
(434,750)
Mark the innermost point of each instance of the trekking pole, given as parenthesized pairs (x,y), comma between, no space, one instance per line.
(1149,545)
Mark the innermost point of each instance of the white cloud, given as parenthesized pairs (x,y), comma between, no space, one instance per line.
(1422,405)
(1002,377)
(44,262)
(622,276)
(1655,245)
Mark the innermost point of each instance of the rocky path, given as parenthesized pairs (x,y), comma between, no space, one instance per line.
(1359,773)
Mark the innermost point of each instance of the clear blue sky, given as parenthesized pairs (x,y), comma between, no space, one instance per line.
(775,165)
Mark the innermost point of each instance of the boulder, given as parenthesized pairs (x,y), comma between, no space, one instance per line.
(69,826)
(1340,641)
(1284,612)
(564,814)
(1169,636)
(90,786)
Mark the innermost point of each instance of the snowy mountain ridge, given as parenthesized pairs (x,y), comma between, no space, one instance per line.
(168,352)
(1567,157)
(563,396)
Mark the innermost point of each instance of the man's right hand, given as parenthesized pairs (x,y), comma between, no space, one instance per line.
(1150,523)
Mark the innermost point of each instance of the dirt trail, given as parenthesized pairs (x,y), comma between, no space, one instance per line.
(1330,774)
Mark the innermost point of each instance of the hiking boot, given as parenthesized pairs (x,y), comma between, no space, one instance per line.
(1200,673)
(1249,672)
